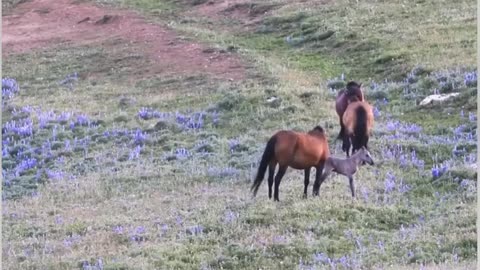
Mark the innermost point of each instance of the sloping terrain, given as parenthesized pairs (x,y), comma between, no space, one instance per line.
(41,24)
(132,130)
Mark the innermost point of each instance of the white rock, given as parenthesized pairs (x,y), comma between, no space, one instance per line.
(271,99)
(437,98)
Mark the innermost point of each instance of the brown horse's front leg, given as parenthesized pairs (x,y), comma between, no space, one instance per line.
(319,178)
(271,173)
(306,182)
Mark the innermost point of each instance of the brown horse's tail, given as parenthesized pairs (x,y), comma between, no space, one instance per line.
(361,128)
(267,156)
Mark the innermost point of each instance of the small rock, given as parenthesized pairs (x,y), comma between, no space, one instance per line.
(437,98)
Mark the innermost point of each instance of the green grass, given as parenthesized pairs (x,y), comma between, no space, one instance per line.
(71,221)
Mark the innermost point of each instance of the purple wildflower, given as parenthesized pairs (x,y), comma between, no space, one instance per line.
(135,153)
(182,153)
(138,234)
(320,258)
(230,216)
(83,120)
(195,230)
(470,79)
(139,137)
(54,175)
(389,182)
(376,112)
(9,88)
(118,229)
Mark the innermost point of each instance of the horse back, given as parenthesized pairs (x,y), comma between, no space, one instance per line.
(315,145)
(350,116)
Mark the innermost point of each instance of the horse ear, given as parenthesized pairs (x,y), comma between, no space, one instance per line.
(360,85)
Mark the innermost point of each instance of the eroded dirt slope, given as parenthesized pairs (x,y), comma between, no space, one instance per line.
(47,23)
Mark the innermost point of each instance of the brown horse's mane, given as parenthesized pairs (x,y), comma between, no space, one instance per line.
(317,129)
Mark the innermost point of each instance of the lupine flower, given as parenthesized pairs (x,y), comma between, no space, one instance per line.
(135,153)
(195,230)
(365,194)
(82,120)
(70,240)
(118,229)
(139,137)
(472,117)
(137,235)
(230,216)
(215,118)
(376,112)
(54,175)
(389,182)
(182,153)
(9,88)
(470,79)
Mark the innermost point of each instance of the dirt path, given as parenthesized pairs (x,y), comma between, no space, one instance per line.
(41,24)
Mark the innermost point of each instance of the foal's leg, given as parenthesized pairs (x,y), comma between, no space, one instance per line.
(307,181)
(271,172)
(278,178)
(352,188)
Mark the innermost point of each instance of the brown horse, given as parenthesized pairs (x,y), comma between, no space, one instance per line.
(358,123)
(298,150)
(344,97)
(347,167)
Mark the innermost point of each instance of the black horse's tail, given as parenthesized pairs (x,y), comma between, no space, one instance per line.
(267,156)
(360,130)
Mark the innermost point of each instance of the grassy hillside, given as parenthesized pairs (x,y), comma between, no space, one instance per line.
(119,167)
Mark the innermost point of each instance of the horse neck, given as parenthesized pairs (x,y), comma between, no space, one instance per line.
(316,134)
(356,158)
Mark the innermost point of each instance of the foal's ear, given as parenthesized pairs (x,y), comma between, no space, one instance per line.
(360,85)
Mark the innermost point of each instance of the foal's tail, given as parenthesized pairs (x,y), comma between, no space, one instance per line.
(361,128)
(267,156)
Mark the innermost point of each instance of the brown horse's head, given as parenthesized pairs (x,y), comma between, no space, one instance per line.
(317,130)
(354,91)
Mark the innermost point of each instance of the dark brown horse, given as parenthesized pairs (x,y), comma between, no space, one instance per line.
(358,122)
(298,150)
(344,97)
(347,167)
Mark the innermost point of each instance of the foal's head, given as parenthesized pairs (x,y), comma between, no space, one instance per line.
(364,155)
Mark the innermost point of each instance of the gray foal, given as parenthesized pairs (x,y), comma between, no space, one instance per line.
(347,167)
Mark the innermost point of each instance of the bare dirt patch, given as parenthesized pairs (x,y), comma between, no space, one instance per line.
(248,13)
(42,24)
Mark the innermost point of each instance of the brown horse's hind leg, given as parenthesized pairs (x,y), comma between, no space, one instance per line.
(346,145)
(271,172)
(278,179)
(306,182)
